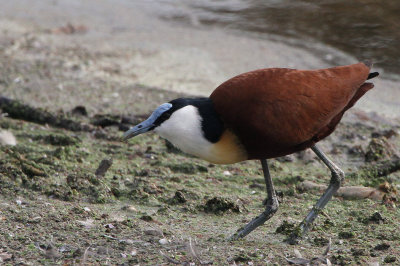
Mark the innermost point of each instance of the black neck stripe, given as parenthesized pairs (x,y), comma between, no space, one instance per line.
(211,124)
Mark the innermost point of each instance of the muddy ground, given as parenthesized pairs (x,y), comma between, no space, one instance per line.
(155,205)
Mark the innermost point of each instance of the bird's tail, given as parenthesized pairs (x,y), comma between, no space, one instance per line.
(369,64)
(373,75)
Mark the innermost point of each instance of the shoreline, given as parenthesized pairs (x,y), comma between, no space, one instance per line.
(142,48)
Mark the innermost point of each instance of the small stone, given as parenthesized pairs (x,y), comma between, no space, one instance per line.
(127,241)
(7,138)
(36,219)
(130,208)
(163,241)
(227,173)
(110,226)
(153,232)
(87,209)
(88,223)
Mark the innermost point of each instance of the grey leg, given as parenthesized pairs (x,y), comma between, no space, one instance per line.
(336,180)
(270,209)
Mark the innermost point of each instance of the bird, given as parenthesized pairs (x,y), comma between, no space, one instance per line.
(264,114)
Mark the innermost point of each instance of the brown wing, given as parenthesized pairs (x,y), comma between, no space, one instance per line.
(279,111)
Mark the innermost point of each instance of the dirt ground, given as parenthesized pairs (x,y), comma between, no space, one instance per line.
(155,205)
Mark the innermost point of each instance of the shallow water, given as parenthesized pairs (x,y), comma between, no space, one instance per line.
(366,29)
(193,46)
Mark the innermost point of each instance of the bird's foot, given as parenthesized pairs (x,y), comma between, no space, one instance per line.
(270,210)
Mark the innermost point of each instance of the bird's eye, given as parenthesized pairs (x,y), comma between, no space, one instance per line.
(140,126)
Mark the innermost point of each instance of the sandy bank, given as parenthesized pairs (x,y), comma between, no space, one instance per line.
(129,37)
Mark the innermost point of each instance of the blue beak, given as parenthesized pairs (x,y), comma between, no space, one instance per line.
(137,130)
(148,124)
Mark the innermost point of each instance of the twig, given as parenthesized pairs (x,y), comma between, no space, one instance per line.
(377,170)
(85,256)
(328,248)
(299,260)
(110,237)
(18,110)
(192,251)
(104,165)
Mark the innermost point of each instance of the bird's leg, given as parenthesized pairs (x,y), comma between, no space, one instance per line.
(270,209)
(336,180)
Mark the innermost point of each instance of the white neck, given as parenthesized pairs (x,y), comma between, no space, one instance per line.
(183,129)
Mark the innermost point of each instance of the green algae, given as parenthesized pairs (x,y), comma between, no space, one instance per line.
(182,200)
(19,110)
(286,228)
(187,168)
(390,259)
(219,205)
(346,235)
(178,198)
(378,149)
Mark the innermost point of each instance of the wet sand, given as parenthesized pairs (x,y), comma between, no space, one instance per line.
(148,50)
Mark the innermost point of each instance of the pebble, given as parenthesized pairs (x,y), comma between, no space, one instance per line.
(163,241)
(109,226)
(87,224)
(7,138)
(130,208)
(153,232)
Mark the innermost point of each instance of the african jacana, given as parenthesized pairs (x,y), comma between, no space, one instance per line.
(260,115)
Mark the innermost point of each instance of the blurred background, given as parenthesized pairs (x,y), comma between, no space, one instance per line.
(72,193)
(192,46)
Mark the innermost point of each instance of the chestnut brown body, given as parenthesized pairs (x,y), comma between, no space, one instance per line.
(278,111)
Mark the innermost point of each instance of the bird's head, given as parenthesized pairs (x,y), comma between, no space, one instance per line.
(160,115)
(182,116)
(191,124)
